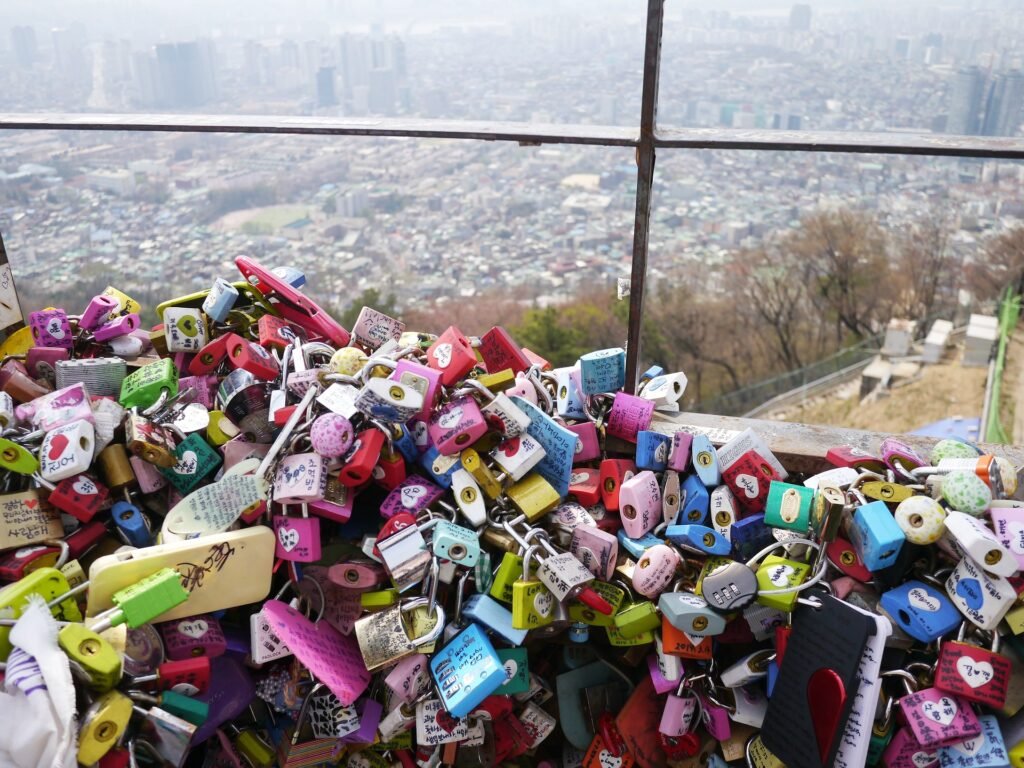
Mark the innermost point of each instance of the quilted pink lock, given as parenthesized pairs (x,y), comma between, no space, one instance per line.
(331,435)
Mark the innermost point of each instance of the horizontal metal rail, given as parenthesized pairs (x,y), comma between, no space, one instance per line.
(484,130)
(894,143)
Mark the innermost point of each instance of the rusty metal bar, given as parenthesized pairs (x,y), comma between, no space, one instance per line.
(645,155)
(484,130)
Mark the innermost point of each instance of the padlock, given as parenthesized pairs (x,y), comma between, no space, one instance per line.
(196,460)
(301,478)
(466,671)
(722,510)
(982,597)
(980,544)
(452,355)
(614,472)
(966,492)
(189,677)
(102,725)
(142,602)
(986,750)
(533,496)
(219,301)
(585,486)
(775,574)
(690,613)
(845,558)
(920,610)
(568,579)
(250,356)
(678,643)
(698,539)
(652,450)
(602,371)
(922,519)
(629,415)
(96,312)
(936,718)
(665,390)
(568,399)
(635,618)
(383,638)
(405,557)
(485,610)
(67,451)
(640,504)
(116,329)
(596,549)
(679,452)
(184,329)
(671,496)
(695,502)
(373,328)
(705,461)
(176,704)
(51,328)
(298,538)
(973,673)
(362,457)
(391,401)
(195,636)
(94,655)
(516,456)
(611,594)
(144,387)
(728,587)
(788,506)
(455,543)
(79,496)
(130,523)
(750,476)
(876,536)
(655,570)
(149,441)
(48,583)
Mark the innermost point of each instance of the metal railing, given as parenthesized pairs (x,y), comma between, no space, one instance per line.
(647,137)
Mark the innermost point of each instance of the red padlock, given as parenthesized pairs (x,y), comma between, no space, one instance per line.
(365,454)
(973,673)
(585,485)
(211,355)
(79,496)
(452,355)
(499,351)
(612,474)
(277,333)
(253,358)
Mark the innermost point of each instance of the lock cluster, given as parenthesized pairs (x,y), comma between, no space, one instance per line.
(251,536)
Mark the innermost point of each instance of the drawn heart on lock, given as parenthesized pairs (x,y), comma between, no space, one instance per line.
(579,446)
(970,591)
(608,760)
(661,452)
(187,463)
(543,602)
(195,628)
(450,418)
(1016,538)
(974,673)
(55,328)
(971,746)
(411,495)
(84,487)
(779,575)
(921,600)
(443,354)
(511,447)
(419,432)
(749,485)
(289,538)
(57,446)
(577,477)
(942,711)
(923,759)
(511,667)
(446,721)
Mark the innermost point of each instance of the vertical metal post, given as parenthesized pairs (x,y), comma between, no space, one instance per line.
(644,182)
(11,318)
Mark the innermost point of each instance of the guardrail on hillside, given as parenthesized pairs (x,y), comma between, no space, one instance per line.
(992,430)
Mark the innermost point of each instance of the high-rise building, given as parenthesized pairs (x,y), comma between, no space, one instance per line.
(1003,108)
(186,73)
(373,72)
(968,88)
(902,48)
(325,94)
(69,58)
(800,17)
(23,43)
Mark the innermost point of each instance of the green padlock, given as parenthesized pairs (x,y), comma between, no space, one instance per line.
(48,583)
(143,388)
(617,639)
(966,492)
(94,654)
(776,573)
(509,571)
(178,704)
(639,617)
(612,594)
(102,725)
(532,602)
(143,601)
(195,460)
(788,506)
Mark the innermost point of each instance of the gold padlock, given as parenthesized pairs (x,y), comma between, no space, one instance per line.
(383,637)
(149,441)
(102,725)
(533,496)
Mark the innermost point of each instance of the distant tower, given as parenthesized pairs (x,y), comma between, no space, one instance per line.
(1005,98)
(23,42)
(965,102)
(325,95)
(800,17)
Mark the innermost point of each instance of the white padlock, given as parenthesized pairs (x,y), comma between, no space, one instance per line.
(517,456)
(67,451)
(666,389)
(980,544)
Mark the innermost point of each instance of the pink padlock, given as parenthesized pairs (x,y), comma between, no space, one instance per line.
(716,719)
(524,388)
(588,446)
(640,504)
(195,636)
(937,718)
(331,435)
(413,495)
(629,414)
(50,328)
(239,449)
(900,456)
(433,377)
(904,752)
(1008,524)
(679,713)
(655,570)
(456,425)
(203,390)
(96,313)
(410,678)
(61,407)
(679,452)
(149,478)
(658,679)
(122,326)
(336,504)
(42,362)
(596,549)
(298,538)
(300,478)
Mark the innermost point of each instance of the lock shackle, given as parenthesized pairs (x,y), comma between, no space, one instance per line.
(314,349)
(65,551)
(430,580)
(373,362)
(545,541)
(533,376)
(424,602)
(325,378)
(864,475)
(285,434)
(508,524)
(304,712)
(473,387)
(855,498)
(460,595)
(596,407)
(709,695)
(531,551)
(909,681)
(303,599)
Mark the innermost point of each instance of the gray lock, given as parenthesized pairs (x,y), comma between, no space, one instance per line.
(406,557)
(730,587)
(564,575)
(690,613)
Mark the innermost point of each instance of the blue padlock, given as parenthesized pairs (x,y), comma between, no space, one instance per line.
(636,547)
(773,676)
(603,371)
(699,538)
(652,450)
(921,610)
(696,501)
(986,750)
(749,536)
(876,536)
(652,373)
(446,464)
(220,300)
(131,524)
(467,671)
(704,458)
(487,611)
(296,278)
(405,444)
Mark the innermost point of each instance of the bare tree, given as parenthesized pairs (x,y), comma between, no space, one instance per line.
(1001,264)
(926,275)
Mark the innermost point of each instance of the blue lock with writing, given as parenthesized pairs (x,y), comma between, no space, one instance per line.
(922,611)
(700,538)
(485,610)
(652,450)
(696,502)
(467,671)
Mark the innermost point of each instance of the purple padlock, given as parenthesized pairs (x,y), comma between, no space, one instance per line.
(679,713)
(195,636)
(298,538)
(300,479)
(456,425)
(937,718)
(904,752)
(50,328)
(433,378)
(203,390)
(331,435)
(900,456)
(231,691)
(370,711)
(412,495)
(629,414)
(150,478)
(122,326)
(679,452)
(96,313)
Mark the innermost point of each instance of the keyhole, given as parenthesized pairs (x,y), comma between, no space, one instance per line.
(722,518)
(609,485)
(397,393)
(700,623)
(563,393)
(351,575)
(886,492)
(456,552)
(105,731)
(628,512)
(916,521)
(468,495)
(709,540)
(9,455)
(89,647)
(704,458)
(993,556)
(672,500)
(847,557)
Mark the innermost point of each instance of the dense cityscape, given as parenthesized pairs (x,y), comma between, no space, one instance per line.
(440,220)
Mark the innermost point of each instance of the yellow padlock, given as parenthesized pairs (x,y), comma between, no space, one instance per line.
(533,496)
(102,725)
(96,657)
